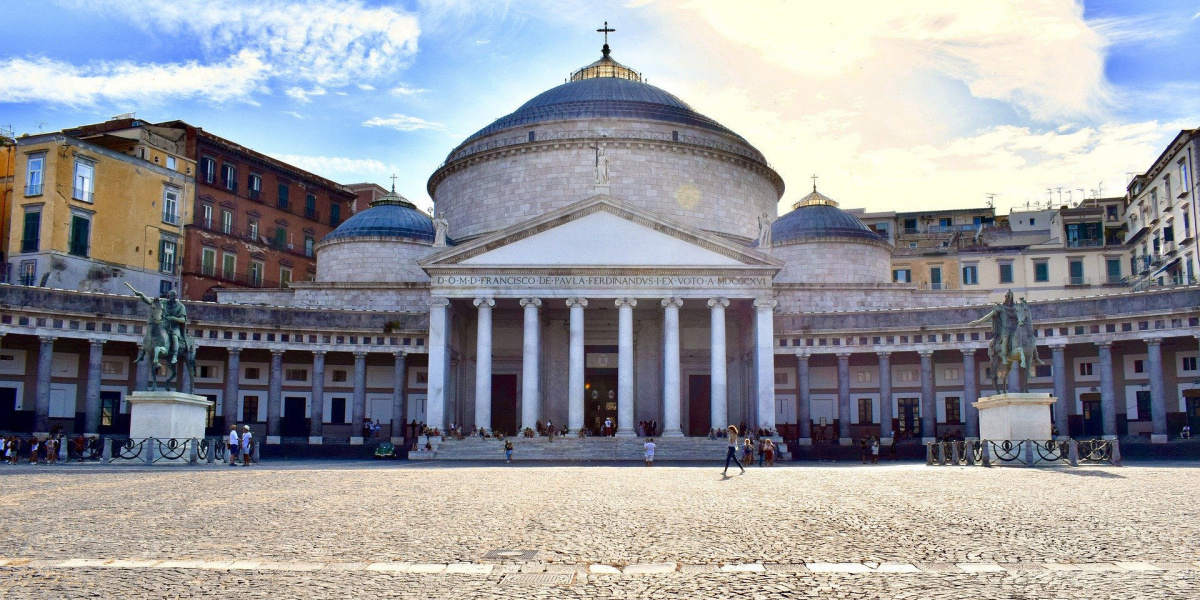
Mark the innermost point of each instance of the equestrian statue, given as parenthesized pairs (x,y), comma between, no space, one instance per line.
(166,336)
(1013,341)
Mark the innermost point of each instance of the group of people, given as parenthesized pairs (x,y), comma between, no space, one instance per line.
(765,449)
(40,451)
(370,428)
(869,447)
(647,428)
(240,445)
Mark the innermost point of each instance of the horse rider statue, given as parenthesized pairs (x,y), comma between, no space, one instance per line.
(1013,340)
(166,335)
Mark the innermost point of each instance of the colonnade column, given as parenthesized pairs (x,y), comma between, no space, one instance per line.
(625,393)
(483,364)
(1158,396)
(970,374)
(41,402)
(764,358)
(1108,392)
(803,401)
(886,429)
(233,375)
(575,379)
(671,425)
(928,400)
(317,422)
(531,350)
(399,398)
(843,382)
(360,395)
(439,339)
(717,375)
(275,397)
(91,398)
(1058,354)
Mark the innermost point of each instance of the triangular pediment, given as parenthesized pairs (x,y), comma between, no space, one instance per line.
(600,232)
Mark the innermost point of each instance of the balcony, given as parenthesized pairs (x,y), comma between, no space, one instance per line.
(77,249)
(281,203)
(1114,280)
(170,218)
(1085,243)
(30,245)
(247,279)
(1078,280)
(230,186)
(312,214)
(82,194)
(33,190)
(256,195)
(254,237)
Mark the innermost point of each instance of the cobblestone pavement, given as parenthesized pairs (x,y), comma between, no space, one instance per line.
(428,531)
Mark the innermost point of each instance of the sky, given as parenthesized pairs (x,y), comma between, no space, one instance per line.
(893,105)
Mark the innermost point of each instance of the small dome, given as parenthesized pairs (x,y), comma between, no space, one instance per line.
(816,217)
(389,216)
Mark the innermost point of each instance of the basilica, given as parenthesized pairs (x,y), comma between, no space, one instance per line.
(606,253)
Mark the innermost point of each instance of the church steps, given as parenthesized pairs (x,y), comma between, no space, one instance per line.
(599,449)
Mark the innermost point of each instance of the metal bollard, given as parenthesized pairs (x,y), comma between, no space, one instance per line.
(1116,453)
(985,456)
(212,451)
(1073,453)
(1029,453)
(105,451)
(929,454)
(954,454)
(254,456)
(193,452)
(148,446)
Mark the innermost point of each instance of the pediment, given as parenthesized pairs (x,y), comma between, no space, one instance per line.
(600,232)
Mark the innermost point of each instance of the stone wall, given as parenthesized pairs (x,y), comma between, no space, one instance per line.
(704,188)
(810,298)
(393,297)
(372,259)
(834,261)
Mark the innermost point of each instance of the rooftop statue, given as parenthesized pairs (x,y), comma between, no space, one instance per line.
(1013,340)
(166,335)
(440,227)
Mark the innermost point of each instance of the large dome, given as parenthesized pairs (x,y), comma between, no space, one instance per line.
(817,217)
(391,216)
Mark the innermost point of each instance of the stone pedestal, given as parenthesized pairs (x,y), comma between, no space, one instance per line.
(1015,416)
(167,415)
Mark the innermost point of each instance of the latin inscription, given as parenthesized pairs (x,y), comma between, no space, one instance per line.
(574,281)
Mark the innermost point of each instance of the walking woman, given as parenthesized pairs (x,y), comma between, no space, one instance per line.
(731,452)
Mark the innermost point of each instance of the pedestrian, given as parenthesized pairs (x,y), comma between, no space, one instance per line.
(731,450)
(247,440)
(762,449)
(769,451)
(233,445)
(874,452)
(649,446)
(508,450)
(51,447)
(34,445)
(864,450)
(747,451)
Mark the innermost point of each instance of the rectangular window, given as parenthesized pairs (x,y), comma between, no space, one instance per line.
(1184,180)
(208,262)
(172,164)
(944,222)
(310,206)
(902,275)
(226,221)
(34,175)
(1113,268)
(1139,366)
(280,238)
(1043,370)
(253,230)
(1076,269)
(254,186)
(250,409)
(29,273)
(910,226)
(970,275)
(228,265)
(285,277)
(339,376)
(337,411)
(206,216)
(935,278)
(81,234)
(1032,221)
(1085,369)
(32,231)
(166,256)
(253,373)
(85,173)
(953,415)
(296,375)
(1006,273)
(1041,271)
(866,411)
(335,214)
(1143,405)
(308,245)
(1189,363)
(165,286)
(170,206)
(208,169)
(229,177)
(256,270)
(283,196)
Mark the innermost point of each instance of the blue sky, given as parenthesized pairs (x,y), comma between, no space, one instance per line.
(896,106)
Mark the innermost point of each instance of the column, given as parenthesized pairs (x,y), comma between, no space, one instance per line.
(531,352)
(1158,396)
(317,422)
(483,364)
(928,399)
(399,398)
(233,374)
(41,405)
(1059,365)
(843,376)
(91,398)
(1108,392)
(625,393)
(887,429)
(970,392)
(575,361)
(275,397)
(671,426)
(359,411)
(803,401)
(439,355)
(717,362)
(764,359)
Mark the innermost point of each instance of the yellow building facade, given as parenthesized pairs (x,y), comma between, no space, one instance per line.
(8,167)
(92,215)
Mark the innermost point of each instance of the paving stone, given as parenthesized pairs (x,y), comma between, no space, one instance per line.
(650,569)
(743,568)
(469,569)
(426,568)
(179,564)
(838,568)
(603,570)
(897,568)
(981,567)
(393,567)
(1138,566)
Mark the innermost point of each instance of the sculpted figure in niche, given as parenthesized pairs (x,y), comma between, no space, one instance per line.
(440,227)
(764,230)
(601,166)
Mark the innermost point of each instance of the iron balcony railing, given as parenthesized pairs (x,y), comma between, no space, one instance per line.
(1078,280)
(81,194)
(77,249)
(33,190)
(1085,243)
(30,245)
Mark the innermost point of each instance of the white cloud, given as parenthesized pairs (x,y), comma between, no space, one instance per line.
(366,87)
(401,122)
(293,113)
(336,167)
(302,95)
(42,79)
(405,91)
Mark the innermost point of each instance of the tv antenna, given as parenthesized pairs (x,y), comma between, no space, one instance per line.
(41,126)
(991,199)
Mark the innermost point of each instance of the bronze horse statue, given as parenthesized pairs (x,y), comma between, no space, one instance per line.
(1021,351)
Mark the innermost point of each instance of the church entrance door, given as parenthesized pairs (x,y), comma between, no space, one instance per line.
(699,404)
(1093,415)
(600,399)
(293,423)
(504,403)
(1193,410)
(909,417)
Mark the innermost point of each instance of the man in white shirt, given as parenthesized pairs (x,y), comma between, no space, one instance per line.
(233,445)
(650,452)
(246,441)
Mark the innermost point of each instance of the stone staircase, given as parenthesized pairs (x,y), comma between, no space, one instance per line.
(586,449)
